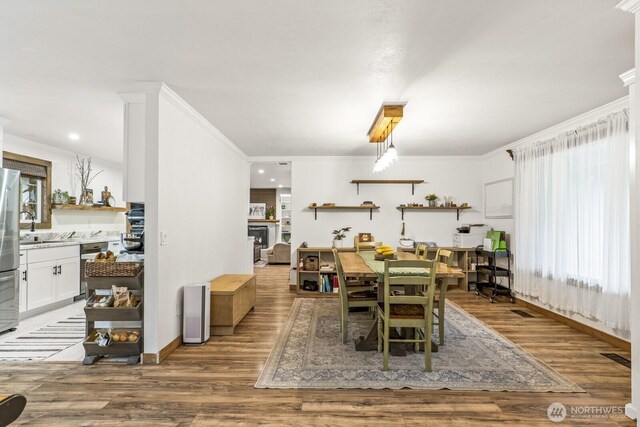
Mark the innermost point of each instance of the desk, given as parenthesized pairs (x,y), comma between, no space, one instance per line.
(354,266)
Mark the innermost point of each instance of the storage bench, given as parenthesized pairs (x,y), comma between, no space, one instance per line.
(232,297)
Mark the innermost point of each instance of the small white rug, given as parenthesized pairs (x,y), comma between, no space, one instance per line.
(45,342)
(262,263)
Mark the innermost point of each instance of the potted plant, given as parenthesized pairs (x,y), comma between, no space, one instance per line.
(339,235)
(448,200)
(57,197)
(271,212)
(83,173)
(432,198)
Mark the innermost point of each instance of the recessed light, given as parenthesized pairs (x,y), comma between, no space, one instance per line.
(273,180)
(280,186)
(74,136)
(260,170)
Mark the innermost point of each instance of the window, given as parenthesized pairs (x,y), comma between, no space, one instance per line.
(35,188)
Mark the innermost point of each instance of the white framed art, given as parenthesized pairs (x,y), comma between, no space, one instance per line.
(257,210)
(498,199)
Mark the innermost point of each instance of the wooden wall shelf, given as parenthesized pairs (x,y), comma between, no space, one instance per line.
(370,208)
(457,209)
(264,220)
(89,208)
(412,182)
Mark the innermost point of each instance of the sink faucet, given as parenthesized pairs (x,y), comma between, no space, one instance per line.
(33,220)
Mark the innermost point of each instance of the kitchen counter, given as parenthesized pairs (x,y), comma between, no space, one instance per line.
(68,242)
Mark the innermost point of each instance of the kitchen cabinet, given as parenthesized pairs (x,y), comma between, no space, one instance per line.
(134,146)
(41,284)
(49,275)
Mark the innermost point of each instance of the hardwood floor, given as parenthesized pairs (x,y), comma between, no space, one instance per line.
(213,384)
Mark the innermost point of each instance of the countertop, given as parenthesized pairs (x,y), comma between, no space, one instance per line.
(68,242)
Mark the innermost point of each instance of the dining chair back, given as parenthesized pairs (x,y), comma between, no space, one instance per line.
(421,251)
(407,311)
(443,257)
(350,296)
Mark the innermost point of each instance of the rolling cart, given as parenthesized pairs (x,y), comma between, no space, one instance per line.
(496,276)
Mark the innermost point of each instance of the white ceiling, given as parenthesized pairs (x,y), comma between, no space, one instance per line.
(280,173)
(303,77)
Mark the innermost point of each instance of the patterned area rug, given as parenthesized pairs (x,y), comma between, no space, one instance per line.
(44,342)
(308,354)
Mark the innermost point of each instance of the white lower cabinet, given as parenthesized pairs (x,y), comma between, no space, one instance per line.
(41,284)
(52,275)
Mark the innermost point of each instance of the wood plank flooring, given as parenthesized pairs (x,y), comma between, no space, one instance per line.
(212,385)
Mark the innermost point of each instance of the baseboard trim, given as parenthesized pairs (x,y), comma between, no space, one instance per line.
(602,336)
(157,358)
(630,411)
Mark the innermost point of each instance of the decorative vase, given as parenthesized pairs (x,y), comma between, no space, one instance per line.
(337,243)
(432,203)
(271,217)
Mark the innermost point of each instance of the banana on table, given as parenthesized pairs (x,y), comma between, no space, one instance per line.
(385,250)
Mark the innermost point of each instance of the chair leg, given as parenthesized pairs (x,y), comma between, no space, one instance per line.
(345,323)
(416,336)
(441,324)
(379,333)
(427,346)
(385,365)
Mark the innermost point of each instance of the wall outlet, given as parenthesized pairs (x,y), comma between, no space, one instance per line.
(179,309)
(163,238)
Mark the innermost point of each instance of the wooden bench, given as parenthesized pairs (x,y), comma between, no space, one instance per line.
(232,297)
(11,407)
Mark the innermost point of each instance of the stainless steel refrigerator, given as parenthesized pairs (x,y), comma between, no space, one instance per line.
(9,248)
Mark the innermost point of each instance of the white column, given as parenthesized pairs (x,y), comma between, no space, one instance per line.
(632,408)
(133,161)
(3,122)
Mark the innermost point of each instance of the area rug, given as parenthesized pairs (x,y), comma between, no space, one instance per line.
(44,342)
(261,263)
(309,354)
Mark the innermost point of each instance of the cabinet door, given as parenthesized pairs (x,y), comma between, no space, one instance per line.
(68,278)
(42,284)
(22,301)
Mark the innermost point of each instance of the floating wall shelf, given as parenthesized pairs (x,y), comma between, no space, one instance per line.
(370,208)
(89,208)
(432,208)
(413,182)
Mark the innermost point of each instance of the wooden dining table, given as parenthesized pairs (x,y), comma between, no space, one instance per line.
(355,266)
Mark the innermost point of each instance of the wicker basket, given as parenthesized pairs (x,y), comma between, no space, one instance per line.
(112,269)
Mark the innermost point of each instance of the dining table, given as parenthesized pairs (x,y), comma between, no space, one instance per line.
(363,265)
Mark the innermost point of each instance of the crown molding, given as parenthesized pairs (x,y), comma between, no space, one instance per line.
(632,6)
(628,77)
(572,123)
(406,158)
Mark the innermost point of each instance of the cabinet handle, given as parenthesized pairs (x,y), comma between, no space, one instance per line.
(55,270)
(24,275)
(59,269)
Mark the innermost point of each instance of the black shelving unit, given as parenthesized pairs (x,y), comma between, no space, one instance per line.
(496,276)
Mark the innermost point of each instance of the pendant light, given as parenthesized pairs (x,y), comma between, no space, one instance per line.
(381,133)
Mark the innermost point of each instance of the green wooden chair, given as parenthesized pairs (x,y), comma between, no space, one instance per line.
(421,251)
(446,257)
(407,311)
(352,294)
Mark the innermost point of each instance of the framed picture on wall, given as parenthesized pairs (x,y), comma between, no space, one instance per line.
(257,210)
(498,199)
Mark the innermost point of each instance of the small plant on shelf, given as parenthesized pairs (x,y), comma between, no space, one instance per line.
(432,198)
(339,235)
(271,212)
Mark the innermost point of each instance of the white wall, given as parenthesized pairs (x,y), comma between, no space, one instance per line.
(324,179)
(497,166)
(62,163)
(197,193)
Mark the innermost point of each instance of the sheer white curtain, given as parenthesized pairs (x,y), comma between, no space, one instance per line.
(572,222)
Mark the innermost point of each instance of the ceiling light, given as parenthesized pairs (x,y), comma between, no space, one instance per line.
(260,170)
(280,186)
(273,180)
(381,133)
(74,136)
